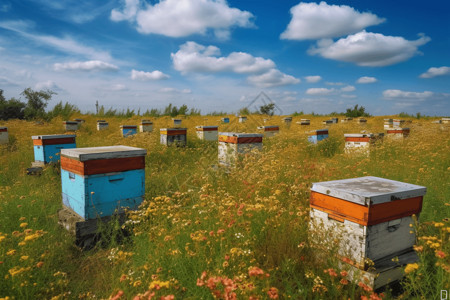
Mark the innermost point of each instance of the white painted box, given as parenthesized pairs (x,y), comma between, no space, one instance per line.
(445,120)
(4,137)
(371,217)
(176,122)
(242,119)
(146,126)
(346,120)
(233,145)
(304,122)
(269,131)
(397,123)
(397,133)
(207,133)
(360,142)
(71,125)
(327,122)
(173,136)
(102,125)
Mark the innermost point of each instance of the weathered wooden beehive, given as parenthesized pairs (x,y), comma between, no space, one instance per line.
(232,145)
(287,120)
(225,120)
(71,125)
(4,137)
(242,119)
(128,130)
(173,136)
(47,148)
(360,141)
(102,125)
(397,132)
(176,122)
(318,135)
(397,123)
(146,126)
(99,181)
(207,133)
(371,218)
(269,131)
(346,120)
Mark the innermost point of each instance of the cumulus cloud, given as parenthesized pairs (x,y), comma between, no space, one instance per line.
(193,57)
(272,78)
(434,72)
(320,91)
(405,95)
(366,79)
(47,85)
(145,76)
(348,88)
(312,21)
(191,17)
(86,66)
(313,79)
(369,49)
(171,90)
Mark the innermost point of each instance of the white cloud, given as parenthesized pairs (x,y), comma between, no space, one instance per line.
(193,57)
(312,21)
(334,83)
(313,79)
(144,76)
(175,18)
(272,78)
(87,66)
(171,90)
(50,85)
(399,94)
(366,79)
(369,49)
(348,88)
(320,91)
(118,87)
(433,72)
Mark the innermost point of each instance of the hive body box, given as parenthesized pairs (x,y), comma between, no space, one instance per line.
(371,217)
(361,120)
(388,123)
(269,131)
(102,125)
(397,133)
(232,144)
(346,120)
(335,120)
(327,122)
(360,142)
(146,126)
(173,136)
(287,121)
(177,122)
(4,138)
(71,125)
(242,119)
(207,133)
(318,135)
(396,123)
(97,181)
(445,120)
(305,121)
(225,120)
(128,130)
(47,148)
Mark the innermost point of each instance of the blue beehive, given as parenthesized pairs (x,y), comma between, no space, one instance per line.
(128,130)
(98,181)
(48,147)
(318,135)
(225,120)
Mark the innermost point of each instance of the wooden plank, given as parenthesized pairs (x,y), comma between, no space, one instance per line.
(60,141)
(101,166)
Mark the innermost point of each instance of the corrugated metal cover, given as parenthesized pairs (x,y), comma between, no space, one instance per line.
(91,153)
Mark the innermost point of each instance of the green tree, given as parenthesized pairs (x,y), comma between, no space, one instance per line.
(244,111)
(357,111)
(267,109)
(11,109)
(37,102)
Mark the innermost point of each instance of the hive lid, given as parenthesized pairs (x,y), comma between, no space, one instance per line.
(209,127)
(241,135)
(265,127)
(52,136)
(70,122)
(172,129)
(359,135)
(91,153)
(128,126)
(368,190)
(3,127)
(396,128)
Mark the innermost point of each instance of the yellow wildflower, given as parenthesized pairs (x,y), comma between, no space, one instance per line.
(411,268)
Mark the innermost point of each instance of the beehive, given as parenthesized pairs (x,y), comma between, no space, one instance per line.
(4,138)
(445,120)
(71,125)
(98,181)
(335,120)
(79,121)
(318,135)
(173,136)
(146,126)
(397,133)
(102,125)
(327,122)
(388,123)
(47,148)
(361,120)
(397,123)
(305,122)
(242,119)
(269,131)
(128,130)
(225,120)
(371,218)
(232,145)
(207,133)
(287,120)
(360,141)
(176,122)
(345,120)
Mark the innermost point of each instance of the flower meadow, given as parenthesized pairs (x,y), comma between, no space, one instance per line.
(206,232)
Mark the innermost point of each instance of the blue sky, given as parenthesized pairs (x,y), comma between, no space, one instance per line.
(217,55)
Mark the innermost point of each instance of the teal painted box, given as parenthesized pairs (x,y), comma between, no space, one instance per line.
(128,130)
(318,135)
(47,148)
(100,181)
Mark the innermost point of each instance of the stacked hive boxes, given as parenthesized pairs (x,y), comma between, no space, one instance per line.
(47,148)
(127,130)
(388,123)
(102,125)
(146,126)
(232,145)
(173,136)
(360,142)
(318,135)
(71,125)
(98,181)
(372,219)
(269,131)
(207,133)
(4,138)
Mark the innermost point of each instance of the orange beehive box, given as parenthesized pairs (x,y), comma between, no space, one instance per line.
(269,131)
(397,132)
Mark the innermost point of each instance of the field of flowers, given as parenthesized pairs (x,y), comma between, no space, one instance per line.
(208,233)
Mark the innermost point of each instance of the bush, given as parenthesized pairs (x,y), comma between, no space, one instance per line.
(357,111)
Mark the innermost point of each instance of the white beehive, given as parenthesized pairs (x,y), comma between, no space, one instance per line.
(242,119)
(4,138)
(232,145)
(360,142)
(304,122)
(176,122)
(173,136)
(388,123)
(445,120)
(269,131)
(207,133)
(71,125)
(146,126)
(371,218)
(102,125)
(327,122)
(397,123)
(346,120)
(397,133)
